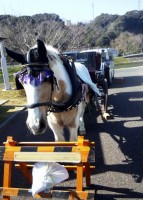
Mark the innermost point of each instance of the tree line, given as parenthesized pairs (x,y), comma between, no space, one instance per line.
(125,32)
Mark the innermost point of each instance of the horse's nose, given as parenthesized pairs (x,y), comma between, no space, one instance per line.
(37,128)
(42,125)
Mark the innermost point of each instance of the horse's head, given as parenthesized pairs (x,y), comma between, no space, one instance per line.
(37,79)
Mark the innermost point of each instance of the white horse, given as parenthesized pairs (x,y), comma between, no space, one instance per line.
(53,89)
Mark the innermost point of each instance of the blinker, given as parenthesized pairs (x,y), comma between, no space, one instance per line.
(19,86)
(33,75)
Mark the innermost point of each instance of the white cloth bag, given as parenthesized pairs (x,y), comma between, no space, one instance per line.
(46,175)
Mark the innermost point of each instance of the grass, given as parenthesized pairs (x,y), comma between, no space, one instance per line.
(11,71)
(16,98)
(120,60)
(128,64)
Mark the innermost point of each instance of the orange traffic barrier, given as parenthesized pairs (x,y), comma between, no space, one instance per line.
(78,154)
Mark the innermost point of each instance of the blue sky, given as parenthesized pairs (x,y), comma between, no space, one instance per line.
(74,10)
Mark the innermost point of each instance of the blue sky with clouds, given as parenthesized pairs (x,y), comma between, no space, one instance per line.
(74,10)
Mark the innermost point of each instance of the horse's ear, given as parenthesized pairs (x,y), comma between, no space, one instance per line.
(41,48)
(20,58)
(42,51)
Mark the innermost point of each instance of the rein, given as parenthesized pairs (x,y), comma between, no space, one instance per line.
(52,107)
(34,105)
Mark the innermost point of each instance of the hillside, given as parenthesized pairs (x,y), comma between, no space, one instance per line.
(122,32)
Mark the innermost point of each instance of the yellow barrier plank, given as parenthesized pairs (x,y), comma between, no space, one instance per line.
(70,157)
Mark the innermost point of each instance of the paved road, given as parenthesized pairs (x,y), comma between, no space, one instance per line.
(119,142)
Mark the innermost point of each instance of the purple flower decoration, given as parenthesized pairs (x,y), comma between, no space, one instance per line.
(34,80)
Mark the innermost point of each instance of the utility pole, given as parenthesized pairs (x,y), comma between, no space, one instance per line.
(93,10)
(4,66)
(139,5)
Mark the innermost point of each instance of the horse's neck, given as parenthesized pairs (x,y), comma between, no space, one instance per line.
(64,90)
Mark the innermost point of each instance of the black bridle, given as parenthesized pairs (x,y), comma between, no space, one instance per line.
(34,69)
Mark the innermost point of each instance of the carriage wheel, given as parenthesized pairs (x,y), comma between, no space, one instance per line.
(105,97)
(108,75)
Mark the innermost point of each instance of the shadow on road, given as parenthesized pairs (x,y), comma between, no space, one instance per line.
(126,129)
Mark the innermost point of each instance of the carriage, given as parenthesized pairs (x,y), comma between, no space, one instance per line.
(100,65)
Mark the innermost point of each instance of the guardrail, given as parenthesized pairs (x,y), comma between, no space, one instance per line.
(133,55)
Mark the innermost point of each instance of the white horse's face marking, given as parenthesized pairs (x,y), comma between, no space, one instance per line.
(37,117)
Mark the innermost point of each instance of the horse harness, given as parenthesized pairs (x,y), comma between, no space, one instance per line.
(34,69)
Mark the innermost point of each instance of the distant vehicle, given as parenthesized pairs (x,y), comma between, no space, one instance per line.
(71,54)
(98,61)
(100,65)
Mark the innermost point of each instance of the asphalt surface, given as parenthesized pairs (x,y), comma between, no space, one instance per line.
(118,142)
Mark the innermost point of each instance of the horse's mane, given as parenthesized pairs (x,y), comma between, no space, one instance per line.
(53,52)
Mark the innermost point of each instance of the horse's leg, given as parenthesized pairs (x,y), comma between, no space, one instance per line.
(57,130)
(79,123)
(73,133)
(81,126)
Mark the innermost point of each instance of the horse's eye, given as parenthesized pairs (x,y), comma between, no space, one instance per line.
(30,71)
(23,70)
